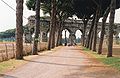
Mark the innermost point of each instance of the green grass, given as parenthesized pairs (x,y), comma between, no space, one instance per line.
(10,64)
(111,61)
(86,49)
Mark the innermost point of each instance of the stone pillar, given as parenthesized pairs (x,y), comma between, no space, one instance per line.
(40,36)
(72,38)
(105,42)
(81,41)
(86,35)
(56,35)
(65,38)
(60,42)
(27,38)
(116,38)
(44,37)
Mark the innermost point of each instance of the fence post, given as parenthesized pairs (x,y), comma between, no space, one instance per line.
(6,50)
(31,48)
(2,55)
(13,50)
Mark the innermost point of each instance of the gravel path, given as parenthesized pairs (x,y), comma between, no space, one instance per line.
(66,62)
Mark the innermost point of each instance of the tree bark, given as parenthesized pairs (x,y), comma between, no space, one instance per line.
(103,30)
(91,40)
(86,35)
(19,29)
(90,32)
(51,43)
(84,30)
(95,30)
(54,24)
(37,28)
(50,38)
(58,37)
(111,21)
(60,41)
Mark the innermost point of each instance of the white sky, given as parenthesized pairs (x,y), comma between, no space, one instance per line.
(8,16)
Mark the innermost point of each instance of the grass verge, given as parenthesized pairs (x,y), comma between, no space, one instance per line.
(10,65)
(111,61)
(13,64)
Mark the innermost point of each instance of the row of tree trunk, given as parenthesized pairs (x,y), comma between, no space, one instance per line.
(19,28)
(51,42)
(91,40)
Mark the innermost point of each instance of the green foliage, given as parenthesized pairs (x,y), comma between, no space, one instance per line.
(86,49)
(11,64)
(86,8)
(111,61)
(64,7)
(46,7)
(30,4)
(8,33)
(81,8)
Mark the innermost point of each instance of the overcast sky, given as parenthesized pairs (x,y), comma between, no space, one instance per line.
(8,16)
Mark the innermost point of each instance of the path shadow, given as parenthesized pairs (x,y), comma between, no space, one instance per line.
(93,73)
(62,56)
(6,76)
(75,49)
(63,64)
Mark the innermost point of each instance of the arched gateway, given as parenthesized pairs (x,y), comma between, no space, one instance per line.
(71,25)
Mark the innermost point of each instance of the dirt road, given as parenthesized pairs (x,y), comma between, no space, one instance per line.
(66,62)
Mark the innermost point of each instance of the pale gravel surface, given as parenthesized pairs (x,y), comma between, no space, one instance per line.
(66,62)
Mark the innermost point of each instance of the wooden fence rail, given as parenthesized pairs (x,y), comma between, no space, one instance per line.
(7,50)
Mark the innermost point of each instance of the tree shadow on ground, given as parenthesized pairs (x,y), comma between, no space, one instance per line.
(65,64)
(62,56)
(93,72)
(6,76)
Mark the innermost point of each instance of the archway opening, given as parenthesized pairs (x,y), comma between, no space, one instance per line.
(98,37)
(116,38)
(78,35)
(65,36)
(119,35)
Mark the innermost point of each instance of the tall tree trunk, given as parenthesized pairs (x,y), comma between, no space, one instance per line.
(84,30)
(54,24)
(58,31)
(91,40)
(86,36)
(103,30)
(19,29)
(50,38)
(53,38)
(111,21)
(95,30)
(60,41)
(51,43)
(37,27)
(90,32)
(86,41)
